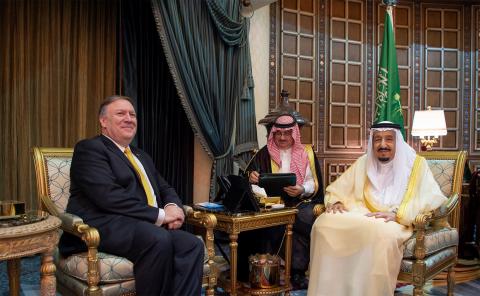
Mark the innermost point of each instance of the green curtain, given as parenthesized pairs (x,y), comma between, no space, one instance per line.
(206,46)
(163,129)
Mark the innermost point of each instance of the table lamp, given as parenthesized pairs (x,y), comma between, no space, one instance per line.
(429,125)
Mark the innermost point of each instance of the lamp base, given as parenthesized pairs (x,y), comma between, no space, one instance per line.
(428,143)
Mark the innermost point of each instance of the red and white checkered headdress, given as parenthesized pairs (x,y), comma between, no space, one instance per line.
(299,162)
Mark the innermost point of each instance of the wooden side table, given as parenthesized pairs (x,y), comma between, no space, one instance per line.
(30,239)
(234,224)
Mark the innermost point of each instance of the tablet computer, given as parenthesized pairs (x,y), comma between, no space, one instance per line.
(273,183)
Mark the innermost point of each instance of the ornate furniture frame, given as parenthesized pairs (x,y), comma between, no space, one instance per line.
(234,224)
(93,272)
(26,240)
(433,247)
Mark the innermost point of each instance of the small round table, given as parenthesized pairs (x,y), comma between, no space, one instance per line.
(26,236)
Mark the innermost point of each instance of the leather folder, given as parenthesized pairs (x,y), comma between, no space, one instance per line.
(274,183)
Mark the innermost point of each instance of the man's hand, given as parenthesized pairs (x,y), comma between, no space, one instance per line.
(253,177)
(336,207)
(294,191)
(388,216)
(174,217)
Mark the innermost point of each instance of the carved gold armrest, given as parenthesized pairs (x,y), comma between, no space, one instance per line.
(436,218)
(70,222)
(318,209)
(207,221)
(74,225)
(419,226)
(446,209)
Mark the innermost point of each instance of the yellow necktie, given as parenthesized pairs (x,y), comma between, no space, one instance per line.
(142,176)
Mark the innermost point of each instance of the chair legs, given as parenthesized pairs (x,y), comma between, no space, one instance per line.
(418,288)
(450,280)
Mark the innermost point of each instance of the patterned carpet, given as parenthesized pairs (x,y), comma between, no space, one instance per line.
(30,279)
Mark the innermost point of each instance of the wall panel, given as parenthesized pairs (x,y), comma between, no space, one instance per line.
(443,43)
(298,60)
(439,66)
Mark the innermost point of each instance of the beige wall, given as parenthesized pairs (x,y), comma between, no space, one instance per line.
(201,173)
(259,31)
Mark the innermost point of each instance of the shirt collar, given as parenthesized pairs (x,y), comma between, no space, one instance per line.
(118,145)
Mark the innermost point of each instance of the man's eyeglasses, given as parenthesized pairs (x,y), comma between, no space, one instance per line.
(286,133)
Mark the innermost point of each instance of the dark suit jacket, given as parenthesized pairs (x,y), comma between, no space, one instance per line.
(106,190)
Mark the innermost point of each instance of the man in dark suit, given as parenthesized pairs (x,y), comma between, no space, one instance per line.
(116,189)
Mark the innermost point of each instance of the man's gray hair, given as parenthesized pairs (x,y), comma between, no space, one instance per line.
(109,100)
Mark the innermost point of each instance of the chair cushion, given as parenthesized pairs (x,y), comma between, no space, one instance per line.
(432,261)
(113,269)
(77,287)
(435,240)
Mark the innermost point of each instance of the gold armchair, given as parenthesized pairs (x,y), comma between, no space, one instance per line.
(433,246)
(93,272)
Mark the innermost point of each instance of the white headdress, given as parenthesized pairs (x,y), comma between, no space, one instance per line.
(389,180)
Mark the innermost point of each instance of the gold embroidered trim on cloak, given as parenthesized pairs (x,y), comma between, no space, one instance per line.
(311,159)
(412,184)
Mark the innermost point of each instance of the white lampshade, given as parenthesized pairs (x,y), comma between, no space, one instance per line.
(429,123)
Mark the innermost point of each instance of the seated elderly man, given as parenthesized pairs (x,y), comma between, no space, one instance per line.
(357,245)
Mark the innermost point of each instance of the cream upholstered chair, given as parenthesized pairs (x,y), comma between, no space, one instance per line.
(433,246)
(93,272)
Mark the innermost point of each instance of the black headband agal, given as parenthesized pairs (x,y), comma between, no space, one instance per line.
(386,125)
(285,125)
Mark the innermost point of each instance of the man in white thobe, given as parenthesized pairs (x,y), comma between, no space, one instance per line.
(357,245)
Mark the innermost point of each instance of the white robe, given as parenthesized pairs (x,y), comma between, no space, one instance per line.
(355,255)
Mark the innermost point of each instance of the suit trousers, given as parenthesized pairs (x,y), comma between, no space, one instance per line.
(166,262)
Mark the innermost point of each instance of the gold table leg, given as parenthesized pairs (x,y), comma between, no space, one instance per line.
(13,266)
(288,256)
(233,264)
(48,282)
